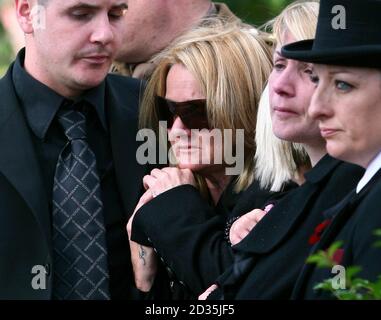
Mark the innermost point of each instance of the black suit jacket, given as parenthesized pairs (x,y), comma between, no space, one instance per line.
(354,221)
(269,259)
(25,228)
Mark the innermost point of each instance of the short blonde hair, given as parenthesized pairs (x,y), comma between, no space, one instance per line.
(273,168)
(299,19)
(232,63)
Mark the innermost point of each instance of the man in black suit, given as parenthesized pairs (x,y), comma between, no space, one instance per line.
(69,178)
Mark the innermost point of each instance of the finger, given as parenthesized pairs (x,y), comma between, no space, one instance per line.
(260,215)
(240,225)
(269,207)
(255,211)
(157,173)
(184,174)
(249,227)
(207,292)
(171,170)
(249,216)
(235,237)
(244,234)
(252,215)
(245,222)
(234,240)
(129,227)
(248,221)
(146,197)
(171,173)
(243,227)
(148,181)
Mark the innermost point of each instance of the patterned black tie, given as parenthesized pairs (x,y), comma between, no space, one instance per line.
(80,254)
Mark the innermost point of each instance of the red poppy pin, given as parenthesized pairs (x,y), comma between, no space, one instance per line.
(338,255)
(318,232)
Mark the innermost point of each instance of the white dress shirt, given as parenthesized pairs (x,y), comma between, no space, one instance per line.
(371,170)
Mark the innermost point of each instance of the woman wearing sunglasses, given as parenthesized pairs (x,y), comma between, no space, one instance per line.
(347,103)
(209,81)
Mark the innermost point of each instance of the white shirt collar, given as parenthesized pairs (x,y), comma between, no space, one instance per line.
(371,170)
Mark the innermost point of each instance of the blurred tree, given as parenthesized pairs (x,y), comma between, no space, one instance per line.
(256,12)
(6,53)
(6,50)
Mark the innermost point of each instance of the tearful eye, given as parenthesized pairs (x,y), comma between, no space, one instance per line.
(343,86)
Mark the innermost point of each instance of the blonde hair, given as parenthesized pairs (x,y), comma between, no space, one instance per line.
(232,63)
(272,167)
(299,19)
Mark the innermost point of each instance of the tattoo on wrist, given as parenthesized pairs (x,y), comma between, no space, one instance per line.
(142,254)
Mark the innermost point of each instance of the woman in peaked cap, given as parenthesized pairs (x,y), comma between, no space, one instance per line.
(346,53)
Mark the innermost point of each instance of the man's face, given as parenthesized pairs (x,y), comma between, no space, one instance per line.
(74,45)
(146,30)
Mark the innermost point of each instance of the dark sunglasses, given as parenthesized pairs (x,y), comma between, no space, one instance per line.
(192,113)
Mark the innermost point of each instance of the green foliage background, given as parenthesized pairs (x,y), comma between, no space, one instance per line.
(256,11)
(5,51)
(252,11)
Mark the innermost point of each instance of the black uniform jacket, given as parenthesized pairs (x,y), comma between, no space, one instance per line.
(353,222)
(269,260)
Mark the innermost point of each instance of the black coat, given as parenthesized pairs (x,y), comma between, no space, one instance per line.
(353,222)
(270,258)
(189,234)
(25,228)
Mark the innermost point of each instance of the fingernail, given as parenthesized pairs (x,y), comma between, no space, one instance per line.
(268,207)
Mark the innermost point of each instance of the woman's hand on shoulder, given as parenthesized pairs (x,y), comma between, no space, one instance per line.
(242,226)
